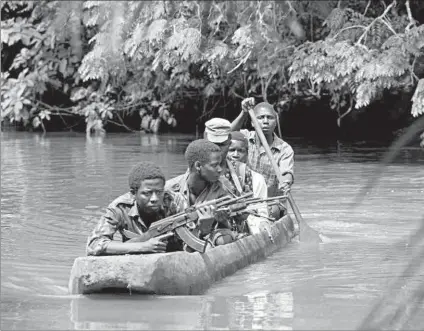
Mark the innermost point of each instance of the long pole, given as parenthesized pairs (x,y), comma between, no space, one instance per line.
(306,233)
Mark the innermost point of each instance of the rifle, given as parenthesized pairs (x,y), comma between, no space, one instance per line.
(178,223)
(247,207)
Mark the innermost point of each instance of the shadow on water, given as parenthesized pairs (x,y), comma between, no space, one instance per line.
(54,187)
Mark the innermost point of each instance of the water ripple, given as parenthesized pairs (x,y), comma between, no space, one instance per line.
(54,188)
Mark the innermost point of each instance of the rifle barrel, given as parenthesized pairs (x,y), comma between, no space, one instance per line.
(247,208)
(211,202)
(267,199)
(233,200)
(189,210)
(203,204)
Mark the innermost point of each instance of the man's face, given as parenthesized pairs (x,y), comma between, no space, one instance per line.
(224,146)
(266,118)
(149,196)
(238,151)
(211,171)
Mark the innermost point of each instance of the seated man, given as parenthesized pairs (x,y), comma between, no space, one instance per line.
(217,131)
(135,211)
(257,158)
(238,152)
(200,184)
(237,178)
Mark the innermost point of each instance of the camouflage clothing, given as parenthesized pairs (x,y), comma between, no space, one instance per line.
(122,214)
(179,185)
(213,191)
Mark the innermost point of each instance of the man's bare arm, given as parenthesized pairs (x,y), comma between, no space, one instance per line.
(246,104)
(153,245)
(238,123)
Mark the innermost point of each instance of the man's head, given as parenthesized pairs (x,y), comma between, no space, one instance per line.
(239,147)
(147,183)
(266,116)
(204,158)
(217,131)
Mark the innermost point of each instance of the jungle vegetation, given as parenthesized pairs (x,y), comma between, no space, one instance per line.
(107,61)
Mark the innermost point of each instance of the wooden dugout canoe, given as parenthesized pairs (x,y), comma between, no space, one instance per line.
(178,273)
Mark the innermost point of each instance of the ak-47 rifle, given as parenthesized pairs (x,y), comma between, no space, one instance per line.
(178,223)
(245,206)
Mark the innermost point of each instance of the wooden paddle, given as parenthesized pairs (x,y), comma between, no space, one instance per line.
(306,233)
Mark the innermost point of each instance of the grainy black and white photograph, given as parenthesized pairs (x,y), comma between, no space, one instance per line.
(212,165)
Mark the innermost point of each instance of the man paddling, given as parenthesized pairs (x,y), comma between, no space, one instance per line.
(135,211)
(257,157)
(201,183)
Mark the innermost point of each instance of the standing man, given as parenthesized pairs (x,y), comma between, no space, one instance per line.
(258,159)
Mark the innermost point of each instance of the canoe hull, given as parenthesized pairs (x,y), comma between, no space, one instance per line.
(178,273)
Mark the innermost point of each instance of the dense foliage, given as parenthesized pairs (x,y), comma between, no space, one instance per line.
(110,59)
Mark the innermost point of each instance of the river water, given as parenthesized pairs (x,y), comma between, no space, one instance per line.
(53,188)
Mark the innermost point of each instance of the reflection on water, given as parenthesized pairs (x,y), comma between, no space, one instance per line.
(55,186)
(254,311)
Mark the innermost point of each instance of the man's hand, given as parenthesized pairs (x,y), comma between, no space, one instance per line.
(155,245)
(223,217)
(286,183)
(283,187)
(206,218)
(247,104)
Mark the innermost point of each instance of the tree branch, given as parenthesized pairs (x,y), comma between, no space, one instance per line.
(232,91)
(347,112)
(122,123)
(57,109)
(412,21)
(209,111)
(367,29)
(291,8)
(366,8)
(347,28)
(130,106)
(243,60)
(413,75)
(42,126)
(389,26)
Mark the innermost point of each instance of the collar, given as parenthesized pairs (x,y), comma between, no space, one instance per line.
(184,186)
(277,143)
(134,214)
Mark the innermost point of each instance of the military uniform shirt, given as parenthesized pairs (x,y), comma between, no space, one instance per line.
(122,214)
